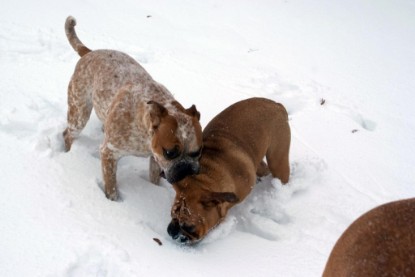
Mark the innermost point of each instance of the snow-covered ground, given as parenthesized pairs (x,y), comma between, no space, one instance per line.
(350,154)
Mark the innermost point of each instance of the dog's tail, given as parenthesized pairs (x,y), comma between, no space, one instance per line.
(75,42)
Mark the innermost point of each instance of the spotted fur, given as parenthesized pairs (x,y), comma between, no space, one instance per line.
(140,116)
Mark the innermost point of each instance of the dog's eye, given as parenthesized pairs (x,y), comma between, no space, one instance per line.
(170,154)
(208,204)
(195,154)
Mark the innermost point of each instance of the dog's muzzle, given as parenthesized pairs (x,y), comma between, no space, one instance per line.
(181,232)
(180,170)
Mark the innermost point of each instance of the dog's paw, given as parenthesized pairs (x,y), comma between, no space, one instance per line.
(113,196)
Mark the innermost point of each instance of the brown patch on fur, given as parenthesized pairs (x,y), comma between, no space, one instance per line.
(192,111)
(157,113)
(379,243)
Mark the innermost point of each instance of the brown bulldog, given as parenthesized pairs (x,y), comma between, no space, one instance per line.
(235,143)
(379,243)
(140,116)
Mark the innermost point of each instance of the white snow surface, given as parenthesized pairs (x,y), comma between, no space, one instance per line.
(348,155)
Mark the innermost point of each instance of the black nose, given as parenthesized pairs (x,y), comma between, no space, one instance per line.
(173,229)
(180,232)
(182,170)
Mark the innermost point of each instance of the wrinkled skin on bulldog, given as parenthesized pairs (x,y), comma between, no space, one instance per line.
(196,211)
(235,143)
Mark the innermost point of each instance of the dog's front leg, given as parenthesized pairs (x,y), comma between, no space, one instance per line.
(154,171)
(109,172)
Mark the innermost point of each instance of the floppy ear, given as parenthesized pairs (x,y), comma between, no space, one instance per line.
(192,111)
(157,112)
(216,198)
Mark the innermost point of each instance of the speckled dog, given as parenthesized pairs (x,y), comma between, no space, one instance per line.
(140,116)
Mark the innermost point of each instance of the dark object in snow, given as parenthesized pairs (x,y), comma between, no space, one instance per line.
(158,241)
(322,101)
(379,243)
(354,131)
(148,16)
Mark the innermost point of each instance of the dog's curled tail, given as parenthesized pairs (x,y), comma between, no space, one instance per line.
(75,42)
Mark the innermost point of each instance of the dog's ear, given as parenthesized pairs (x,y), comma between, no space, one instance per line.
(192,111)
(216,198)
(157,112)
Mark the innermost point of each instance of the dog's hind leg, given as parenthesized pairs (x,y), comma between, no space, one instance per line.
(278,152)
(262,169)
(279,165)
(79,111)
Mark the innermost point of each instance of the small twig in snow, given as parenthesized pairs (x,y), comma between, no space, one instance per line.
(158,241)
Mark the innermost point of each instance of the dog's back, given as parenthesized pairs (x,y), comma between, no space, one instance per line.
(102,73)
(379,243)
(258,127)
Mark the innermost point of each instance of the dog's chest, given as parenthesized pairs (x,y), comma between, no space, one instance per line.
(135,141)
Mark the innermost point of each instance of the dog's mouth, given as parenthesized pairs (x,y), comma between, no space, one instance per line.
(182,234)
(179,171)
(162,174)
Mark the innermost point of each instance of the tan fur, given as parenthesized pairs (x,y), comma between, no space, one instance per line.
(235,143)
(140,116)
(76,44)
(379,243)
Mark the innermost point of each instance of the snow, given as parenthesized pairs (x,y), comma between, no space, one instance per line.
(348,155)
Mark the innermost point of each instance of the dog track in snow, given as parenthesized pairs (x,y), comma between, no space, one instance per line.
(113,261)
(23,42)
(274,87)
(297,98)
(365,123)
